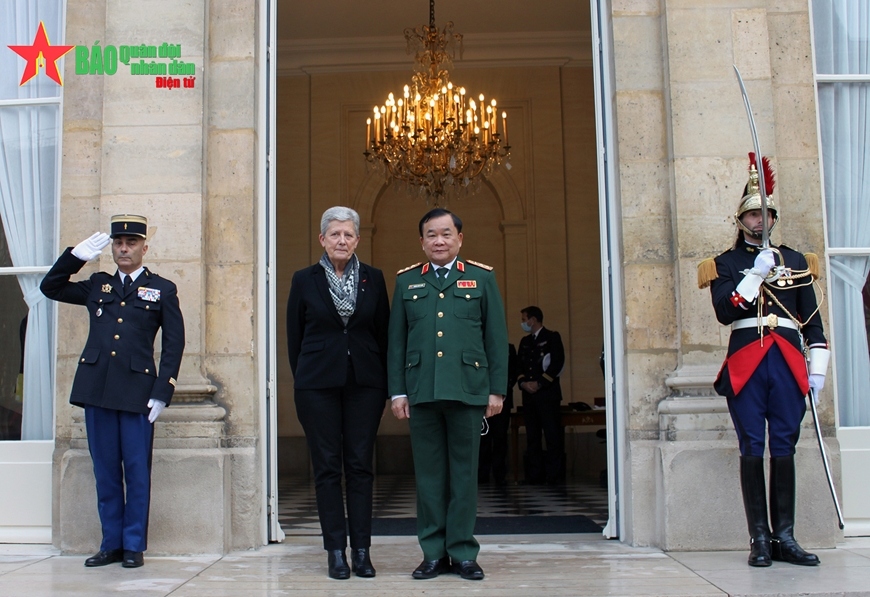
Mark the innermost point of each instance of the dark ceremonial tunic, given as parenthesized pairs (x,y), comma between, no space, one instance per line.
(116,368)
(746,348)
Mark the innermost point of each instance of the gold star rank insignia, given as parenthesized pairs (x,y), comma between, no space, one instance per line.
(107,288)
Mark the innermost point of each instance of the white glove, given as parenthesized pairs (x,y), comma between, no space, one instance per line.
(156,407)
(817,382)
(91,247)
(764,263)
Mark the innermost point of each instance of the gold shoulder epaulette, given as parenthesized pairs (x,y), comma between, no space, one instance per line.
(409,268)
(813,264)
(480,265)
(707,272)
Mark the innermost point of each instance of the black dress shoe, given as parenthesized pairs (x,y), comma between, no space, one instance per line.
(361,563)
(431,568)
(104,558)
(132,559)
(337,567)
(468,569)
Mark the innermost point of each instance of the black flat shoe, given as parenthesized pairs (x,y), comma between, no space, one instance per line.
(468,569)
(132,559)
(431,568)
(361,563)
(337,567)
(104,558)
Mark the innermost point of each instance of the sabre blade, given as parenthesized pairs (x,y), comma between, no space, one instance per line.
(762,189)
(825,458)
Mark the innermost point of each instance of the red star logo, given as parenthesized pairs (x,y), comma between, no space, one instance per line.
(41,54)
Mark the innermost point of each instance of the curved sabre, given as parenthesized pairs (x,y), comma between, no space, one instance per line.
(762,190)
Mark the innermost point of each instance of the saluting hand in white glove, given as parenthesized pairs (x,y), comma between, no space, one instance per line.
(91,247)
(156,407)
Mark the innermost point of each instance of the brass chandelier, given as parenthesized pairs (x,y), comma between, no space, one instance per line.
(435,138)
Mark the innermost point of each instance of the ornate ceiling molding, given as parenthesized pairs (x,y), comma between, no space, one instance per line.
(548,48)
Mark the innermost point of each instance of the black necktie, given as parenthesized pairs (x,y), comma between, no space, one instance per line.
(128,282)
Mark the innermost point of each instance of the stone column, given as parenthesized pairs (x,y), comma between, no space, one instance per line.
(696,456)
(145,137)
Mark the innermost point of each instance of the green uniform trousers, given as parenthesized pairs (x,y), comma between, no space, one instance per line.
(445,439)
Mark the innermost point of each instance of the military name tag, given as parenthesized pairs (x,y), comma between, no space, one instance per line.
(107,288)
(466,283)
(149,294)
(413,286)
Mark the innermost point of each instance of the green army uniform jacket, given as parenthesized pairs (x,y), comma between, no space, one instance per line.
(448,339)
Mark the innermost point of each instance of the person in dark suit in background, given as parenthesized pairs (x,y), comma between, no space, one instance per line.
(337,320)
(116,382)
(494,443)
(541,358)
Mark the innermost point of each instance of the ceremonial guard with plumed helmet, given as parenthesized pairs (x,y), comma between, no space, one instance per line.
(768,298)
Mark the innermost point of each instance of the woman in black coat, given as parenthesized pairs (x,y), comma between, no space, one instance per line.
(337,318)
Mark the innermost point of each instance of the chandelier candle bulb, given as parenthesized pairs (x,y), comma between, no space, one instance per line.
(507,142)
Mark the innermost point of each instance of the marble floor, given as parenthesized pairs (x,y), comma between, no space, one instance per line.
(539,565)
(395,497)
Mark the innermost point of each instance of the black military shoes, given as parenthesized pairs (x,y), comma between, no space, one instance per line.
(431,568)
(468,569)
(104,558)
(132,559)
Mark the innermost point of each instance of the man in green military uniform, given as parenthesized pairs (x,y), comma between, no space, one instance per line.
(447,366)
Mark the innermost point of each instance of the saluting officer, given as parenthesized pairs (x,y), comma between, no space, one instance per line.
(768,299)
(117,382)
(447,365)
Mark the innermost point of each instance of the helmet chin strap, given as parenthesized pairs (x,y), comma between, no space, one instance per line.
(753,233)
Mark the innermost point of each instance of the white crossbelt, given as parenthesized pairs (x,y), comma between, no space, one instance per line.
(771,321)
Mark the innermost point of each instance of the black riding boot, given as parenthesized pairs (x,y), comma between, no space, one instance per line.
(782,507)
(755,504)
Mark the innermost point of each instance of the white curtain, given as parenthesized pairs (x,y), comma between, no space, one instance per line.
(842,41)
(29,136)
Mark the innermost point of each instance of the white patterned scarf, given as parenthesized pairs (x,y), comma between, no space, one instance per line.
(343,289)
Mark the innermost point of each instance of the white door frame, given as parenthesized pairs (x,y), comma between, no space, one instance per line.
(266,295)
(611,263)
(610,227)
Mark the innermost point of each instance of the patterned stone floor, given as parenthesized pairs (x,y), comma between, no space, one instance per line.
(395,497)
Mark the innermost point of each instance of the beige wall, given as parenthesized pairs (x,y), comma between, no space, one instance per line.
(682,145)
(536,223)
(186,160)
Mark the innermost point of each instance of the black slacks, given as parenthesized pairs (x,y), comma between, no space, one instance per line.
(494,449)
(542,417)
(340,427)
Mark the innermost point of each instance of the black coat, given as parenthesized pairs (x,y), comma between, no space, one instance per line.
(318,342)
(116,368)
(530,358)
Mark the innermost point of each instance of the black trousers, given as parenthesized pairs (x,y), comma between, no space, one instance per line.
(494,449)
(542,418)
(340,427)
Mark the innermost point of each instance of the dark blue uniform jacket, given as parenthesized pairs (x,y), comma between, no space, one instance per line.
(116,368)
